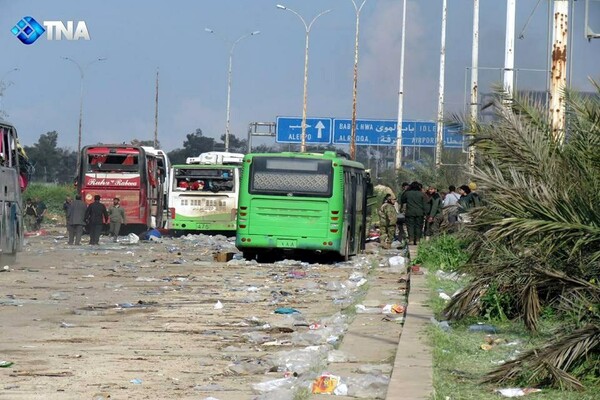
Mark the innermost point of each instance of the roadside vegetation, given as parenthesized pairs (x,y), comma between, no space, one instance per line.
(531,261)
(53,196)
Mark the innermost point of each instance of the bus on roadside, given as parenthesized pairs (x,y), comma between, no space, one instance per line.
(203,193)
(128,172)
(302,201)
(13,179)
(164,168)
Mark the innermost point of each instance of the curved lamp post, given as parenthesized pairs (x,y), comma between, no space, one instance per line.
(232,48)
(358,9)
(82,76)
(307,28)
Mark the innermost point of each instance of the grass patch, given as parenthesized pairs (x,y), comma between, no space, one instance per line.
(459,362)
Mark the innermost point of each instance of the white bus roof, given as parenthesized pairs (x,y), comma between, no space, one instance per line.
(216,157)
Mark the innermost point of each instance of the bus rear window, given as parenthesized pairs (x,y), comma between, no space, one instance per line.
(113,162)
(291,176)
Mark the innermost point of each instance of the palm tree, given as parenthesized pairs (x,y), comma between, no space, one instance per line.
(536,244)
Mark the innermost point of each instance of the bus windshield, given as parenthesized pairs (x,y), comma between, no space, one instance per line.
(204,179)
(291,177)
(112,162)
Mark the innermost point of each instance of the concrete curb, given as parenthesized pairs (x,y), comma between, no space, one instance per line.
(412,376)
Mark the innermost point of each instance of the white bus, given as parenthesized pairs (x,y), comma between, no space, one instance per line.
(203,193)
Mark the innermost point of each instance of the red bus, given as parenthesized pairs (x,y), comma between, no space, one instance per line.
(128,172)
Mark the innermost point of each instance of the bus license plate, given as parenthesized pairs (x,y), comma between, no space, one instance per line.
(289,243)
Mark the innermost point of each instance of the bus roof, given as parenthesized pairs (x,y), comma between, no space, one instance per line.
(115,148)
(340,158)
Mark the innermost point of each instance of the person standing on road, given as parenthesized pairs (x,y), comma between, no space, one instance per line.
(95,215)
(40,208)
(387,221)
(76,220)
(116,218)
(434,216)
(416,207)
(401,220)
(30,216)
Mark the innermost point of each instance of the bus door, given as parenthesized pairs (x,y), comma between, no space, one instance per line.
(350,188)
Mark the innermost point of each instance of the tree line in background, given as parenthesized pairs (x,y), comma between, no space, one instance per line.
(57,165)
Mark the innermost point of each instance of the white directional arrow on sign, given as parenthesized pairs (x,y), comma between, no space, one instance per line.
(320,128)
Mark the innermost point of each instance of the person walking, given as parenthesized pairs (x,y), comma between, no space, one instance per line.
(95,215)
(76,220)
(116,218)
(387,221)
(30,216)
(434,215)
(415,205)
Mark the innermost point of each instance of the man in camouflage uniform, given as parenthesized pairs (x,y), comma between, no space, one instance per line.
(387,221)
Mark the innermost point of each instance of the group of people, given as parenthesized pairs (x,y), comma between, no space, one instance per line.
(422,210)
(94,216)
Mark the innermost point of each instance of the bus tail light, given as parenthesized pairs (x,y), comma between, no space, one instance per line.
(335,212)
(243,208)
(243,214)
(331,243)
(333,230)
(172,212)
(335,218)
(242,226)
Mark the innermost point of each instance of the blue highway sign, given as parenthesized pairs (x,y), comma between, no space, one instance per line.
(383,133)
(289,130)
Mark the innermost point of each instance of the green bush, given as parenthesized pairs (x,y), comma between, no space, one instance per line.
(52,195)
(443,252)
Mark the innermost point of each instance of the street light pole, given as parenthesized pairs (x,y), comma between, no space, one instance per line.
(358,9)
(3,87)
(82,78)
(398,158)
(229,73)
(307,28)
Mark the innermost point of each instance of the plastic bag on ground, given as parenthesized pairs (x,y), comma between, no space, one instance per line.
(275,384)
(368,386)
(133,238)
(299,361)
(517,392)
(397,262)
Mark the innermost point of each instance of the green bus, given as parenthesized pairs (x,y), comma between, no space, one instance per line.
(302,202)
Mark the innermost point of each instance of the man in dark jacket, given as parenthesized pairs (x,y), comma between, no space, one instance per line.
(415,204)
(76,219)
(434,214)
(95,215)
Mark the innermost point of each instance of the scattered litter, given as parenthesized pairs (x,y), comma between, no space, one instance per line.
(517,392)
(482,328)
(444,296)
(361,309)
(136,381)
(133,238)
(393,309)
(274,384)
(67,325)
(6,268)
(6,364)
(443,325)
(286,310)
(218,305)
(325,384)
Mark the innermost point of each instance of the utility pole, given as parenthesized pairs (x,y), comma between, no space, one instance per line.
(156,113)
(558,72)
(398,158)
(439,141)
(474,82)
(357,8)
(509,50)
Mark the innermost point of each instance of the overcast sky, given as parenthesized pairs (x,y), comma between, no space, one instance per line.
(139,36)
